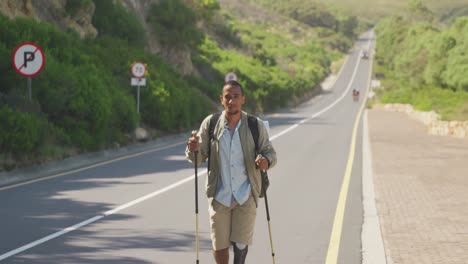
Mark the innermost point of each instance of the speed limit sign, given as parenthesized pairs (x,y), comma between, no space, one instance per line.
(138,70)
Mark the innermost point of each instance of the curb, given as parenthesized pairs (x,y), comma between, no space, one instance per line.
(373,251)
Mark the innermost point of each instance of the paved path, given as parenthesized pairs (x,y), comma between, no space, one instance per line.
(421,186)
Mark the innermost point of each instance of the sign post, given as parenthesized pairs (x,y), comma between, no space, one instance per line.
(138,71)
(28,60)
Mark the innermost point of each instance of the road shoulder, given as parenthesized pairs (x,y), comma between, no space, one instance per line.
(421,190)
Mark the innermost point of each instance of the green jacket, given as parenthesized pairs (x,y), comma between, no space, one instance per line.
(248,148)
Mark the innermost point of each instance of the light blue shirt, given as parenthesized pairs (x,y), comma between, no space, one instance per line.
(234,180)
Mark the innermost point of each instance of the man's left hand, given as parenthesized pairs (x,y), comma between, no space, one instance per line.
(262,163)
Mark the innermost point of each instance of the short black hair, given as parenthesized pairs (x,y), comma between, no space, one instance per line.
(234,83)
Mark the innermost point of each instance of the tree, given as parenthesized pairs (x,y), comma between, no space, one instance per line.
(418,11)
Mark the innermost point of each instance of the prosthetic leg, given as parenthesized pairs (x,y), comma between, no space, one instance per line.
(240,254)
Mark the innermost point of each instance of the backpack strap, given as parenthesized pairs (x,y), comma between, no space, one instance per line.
(213,121)
(253,126)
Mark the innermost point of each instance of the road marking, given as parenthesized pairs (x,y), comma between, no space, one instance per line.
(89,167)
(335,238)
(49,237)
(148,196)
(96,218)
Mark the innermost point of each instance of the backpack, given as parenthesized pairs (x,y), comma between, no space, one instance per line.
(253,126)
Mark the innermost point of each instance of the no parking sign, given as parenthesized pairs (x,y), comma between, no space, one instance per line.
(28,59)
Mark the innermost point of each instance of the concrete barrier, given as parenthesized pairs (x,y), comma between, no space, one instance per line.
(431,119)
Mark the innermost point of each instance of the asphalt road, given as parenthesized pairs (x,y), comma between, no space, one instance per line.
(140,209)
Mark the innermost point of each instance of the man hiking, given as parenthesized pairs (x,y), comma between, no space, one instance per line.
(235,158)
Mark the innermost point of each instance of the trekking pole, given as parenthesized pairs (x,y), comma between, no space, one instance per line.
(265,174)
(194,133)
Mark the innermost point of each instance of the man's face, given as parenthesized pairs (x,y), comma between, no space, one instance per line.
(232,99)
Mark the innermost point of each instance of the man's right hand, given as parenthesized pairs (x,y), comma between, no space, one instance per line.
(193,142)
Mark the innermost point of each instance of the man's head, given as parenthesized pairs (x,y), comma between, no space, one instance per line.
(232,97)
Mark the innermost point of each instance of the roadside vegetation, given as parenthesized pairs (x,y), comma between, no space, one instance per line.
(83,101)
(373,10)
(424,63)
(274,69)
(334,28)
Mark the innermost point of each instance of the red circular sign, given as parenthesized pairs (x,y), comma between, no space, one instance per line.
(28,59)
(138,70)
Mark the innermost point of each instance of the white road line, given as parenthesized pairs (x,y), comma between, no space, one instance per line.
(49,237)
(165,189)
(96,218)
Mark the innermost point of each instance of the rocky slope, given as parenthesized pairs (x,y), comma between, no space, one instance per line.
(52,11)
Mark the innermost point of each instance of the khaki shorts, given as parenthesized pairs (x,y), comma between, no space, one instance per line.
(235,224)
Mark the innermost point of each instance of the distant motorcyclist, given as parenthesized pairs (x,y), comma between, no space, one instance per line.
(355,95)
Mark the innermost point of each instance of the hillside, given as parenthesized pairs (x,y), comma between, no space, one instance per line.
(83,101)
(376,9)
(424,63)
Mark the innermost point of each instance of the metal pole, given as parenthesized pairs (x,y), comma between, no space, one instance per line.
(265,175)
(138,98)
(29,88)
(196,208)
(194,133)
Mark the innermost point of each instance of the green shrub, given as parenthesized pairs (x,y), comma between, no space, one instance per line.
(206,8)
(112,19)
(21,132)
(175,24)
